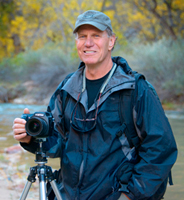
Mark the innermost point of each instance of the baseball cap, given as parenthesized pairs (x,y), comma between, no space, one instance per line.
(95,18)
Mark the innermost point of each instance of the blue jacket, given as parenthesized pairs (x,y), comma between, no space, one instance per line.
(93,164)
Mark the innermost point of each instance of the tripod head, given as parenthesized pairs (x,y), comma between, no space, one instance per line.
(41,157)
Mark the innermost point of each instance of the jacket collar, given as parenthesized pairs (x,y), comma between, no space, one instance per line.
(119,61)
(121,79)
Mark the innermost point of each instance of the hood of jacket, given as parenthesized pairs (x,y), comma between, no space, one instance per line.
(121,79)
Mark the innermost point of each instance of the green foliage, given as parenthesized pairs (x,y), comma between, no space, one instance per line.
(37,72)
(162,63)
(25,64)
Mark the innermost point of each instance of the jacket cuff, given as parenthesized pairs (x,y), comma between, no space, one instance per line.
(31,147)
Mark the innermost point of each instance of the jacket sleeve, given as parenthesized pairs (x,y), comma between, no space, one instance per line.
(158,151)
(54,143)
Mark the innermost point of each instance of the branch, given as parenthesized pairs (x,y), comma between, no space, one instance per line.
(111,7)
(161,19)
(169,8)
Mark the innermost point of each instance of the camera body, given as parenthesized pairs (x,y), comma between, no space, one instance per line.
(39,124)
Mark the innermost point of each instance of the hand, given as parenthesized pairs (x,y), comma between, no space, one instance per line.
(19,131)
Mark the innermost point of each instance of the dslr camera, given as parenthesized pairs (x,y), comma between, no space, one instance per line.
(39,124)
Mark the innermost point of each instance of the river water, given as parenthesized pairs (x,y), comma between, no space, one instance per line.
(10,111)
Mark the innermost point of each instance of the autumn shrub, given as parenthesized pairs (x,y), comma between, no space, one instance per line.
(32,64)
(162,63)
(40,71)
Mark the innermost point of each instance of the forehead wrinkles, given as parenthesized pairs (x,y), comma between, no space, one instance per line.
(89,28)
(92,33)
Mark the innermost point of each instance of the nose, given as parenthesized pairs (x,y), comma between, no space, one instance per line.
(89,41)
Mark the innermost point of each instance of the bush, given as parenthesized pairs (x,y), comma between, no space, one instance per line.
(162,63)
(50,58)
(44,68)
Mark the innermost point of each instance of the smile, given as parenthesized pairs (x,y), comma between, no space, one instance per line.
(89,52)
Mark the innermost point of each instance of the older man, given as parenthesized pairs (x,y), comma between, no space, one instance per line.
(97,160)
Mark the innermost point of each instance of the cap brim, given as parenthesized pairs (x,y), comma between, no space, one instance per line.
(95,24)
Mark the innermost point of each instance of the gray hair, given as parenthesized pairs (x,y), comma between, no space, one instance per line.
(111,33)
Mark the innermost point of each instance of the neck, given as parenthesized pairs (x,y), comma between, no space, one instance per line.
(99,70)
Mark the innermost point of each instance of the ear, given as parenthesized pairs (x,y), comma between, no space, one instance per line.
(112,42)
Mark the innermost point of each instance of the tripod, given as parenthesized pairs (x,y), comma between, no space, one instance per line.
(44,173)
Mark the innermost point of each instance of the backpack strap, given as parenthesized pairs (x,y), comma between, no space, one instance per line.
(65,98)
(137,76)
(126,118)
(127,101)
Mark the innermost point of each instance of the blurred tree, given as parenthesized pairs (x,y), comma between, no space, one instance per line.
(31,24)
(150,20)
(9,43)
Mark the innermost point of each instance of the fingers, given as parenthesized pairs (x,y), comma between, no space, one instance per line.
(19,121)
(23,137)
(19,131)
(18,124)
(26,111)
(19,137)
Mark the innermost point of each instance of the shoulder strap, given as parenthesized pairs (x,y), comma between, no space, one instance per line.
(65,96)
(137,76)
(126,118)
(127,102)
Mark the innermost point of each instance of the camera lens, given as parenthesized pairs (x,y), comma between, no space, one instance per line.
(36,127)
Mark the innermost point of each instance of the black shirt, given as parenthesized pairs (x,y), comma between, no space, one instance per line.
(93,88)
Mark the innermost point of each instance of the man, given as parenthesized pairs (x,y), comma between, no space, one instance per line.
(97,160)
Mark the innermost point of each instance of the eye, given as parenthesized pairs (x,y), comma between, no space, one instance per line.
(80,37)
(96,36)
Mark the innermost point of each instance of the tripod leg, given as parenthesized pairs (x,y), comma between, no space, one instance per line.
(25,191)
(43,195)
(31,179)
(42,183)
(56,190)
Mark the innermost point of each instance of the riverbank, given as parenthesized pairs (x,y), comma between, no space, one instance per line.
(33,94)
(174,105)
(13,176)
(13,173)
(15,162)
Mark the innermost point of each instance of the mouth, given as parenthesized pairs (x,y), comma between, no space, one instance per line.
(89,52)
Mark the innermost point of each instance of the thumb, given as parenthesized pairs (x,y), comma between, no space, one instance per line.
(26,111)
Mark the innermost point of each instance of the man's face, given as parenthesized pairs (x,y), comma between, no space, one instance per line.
(93,46)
